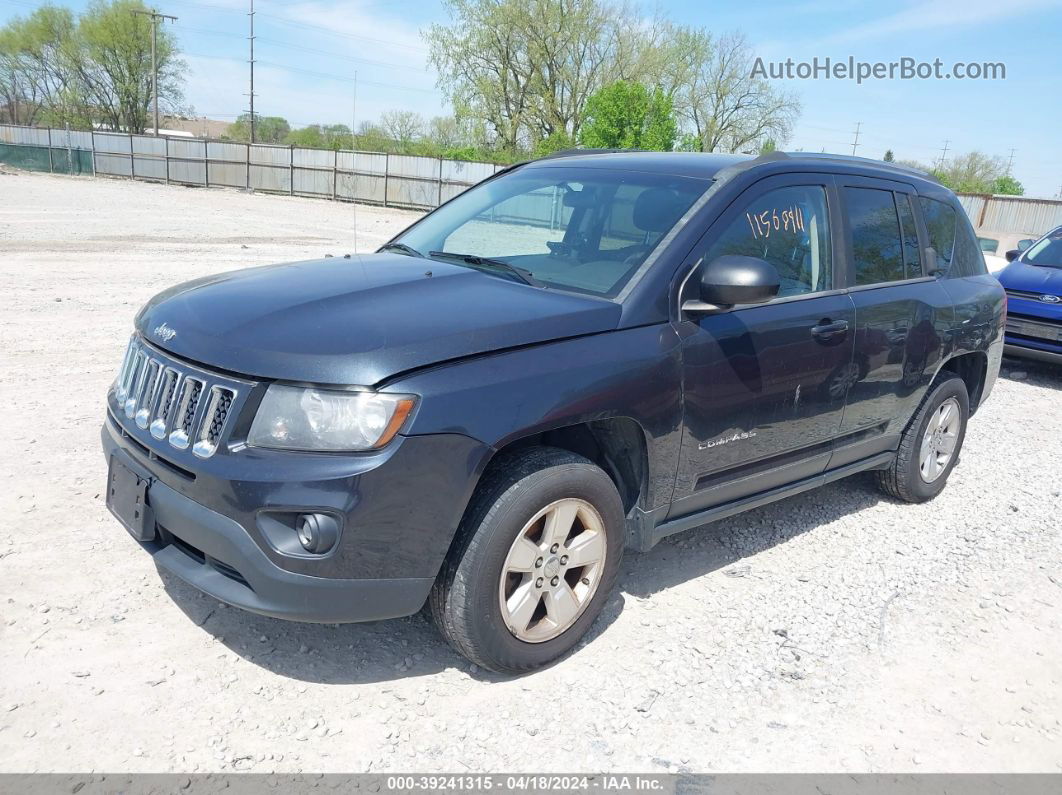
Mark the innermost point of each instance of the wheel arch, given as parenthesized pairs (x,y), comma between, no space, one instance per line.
(616,444)
(972,368)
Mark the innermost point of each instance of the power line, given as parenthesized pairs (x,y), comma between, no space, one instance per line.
(299,47)
(289,22)
(327,75)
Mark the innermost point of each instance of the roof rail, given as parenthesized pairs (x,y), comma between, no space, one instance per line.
(773,157)
(576,152)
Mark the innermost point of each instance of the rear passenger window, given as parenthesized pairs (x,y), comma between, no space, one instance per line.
(790,228)
(940,223)
(876,243)
(967,259)
(912,257)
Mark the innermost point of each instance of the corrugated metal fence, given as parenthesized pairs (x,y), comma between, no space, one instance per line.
(372,177)
(1016,214)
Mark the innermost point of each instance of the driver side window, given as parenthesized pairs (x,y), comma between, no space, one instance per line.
(788,227)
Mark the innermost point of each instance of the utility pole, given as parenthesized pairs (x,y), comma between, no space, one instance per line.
(944,153)
(250,38)
(855,143)
(353,157)
(354,110)
(155,17)
(1010,161)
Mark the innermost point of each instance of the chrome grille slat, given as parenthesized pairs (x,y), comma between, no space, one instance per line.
(149,394)
(122,384)
(213,422)
(168,384)
(191,392)
(177,404)
(136,379)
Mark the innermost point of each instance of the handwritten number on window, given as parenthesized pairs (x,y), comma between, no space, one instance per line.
(764,224)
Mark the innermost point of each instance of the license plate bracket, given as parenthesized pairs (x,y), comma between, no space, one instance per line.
(127,500)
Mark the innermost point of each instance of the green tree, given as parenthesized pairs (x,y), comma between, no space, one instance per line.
(626,115)
(267,129)
(1007,185)
(372,138)
(719,95)
(93,69)
(35,75)
(112,64)
(403,127)
(973,172)
(527,67)
(557,142)
(768,146)
(318,136)
(889,157)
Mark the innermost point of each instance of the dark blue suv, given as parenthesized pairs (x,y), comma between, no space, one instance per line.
(1033,282)
(580,355)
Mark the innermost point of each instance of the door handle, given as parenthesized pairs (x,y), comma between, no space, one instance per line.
(828,330)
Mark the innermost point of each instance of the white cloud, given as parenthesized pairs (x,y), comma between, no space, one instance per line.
(311,79)
(937,14)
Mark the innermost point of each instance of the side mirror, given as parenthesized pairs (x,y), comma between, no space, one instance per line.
(734,279)
(1013,254)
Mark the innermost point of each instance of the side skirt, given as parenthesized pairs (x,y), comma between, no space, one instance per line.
(655,534)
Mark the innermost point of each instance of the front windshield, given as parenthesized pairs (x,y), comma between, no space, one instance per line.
(587,230)
(1047,253)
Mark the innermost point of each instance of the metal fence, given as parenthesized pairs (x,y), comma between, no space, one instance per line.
(372,177)
(1016,214)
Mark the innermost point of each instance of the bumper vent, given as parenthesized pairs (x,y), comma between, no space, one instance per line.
(185,407)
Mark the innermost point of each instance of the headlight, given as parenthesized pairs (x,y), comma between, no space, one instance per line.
(300,418)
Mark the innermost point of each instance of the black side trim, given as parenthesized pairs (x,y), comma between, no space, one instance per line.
(879,461)
(784,459)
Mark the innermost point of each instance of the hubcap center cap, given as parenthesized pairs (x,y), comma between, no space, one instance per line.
(552,567)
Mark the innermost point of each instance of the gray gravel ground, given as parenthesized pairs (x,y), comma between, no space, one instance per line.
(834,631)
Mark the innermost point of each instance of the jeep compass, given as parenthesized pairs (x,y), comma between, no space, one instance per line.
(577,357)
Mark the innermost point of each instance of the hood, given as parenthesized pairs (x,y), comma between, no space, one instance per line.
(359,320)
(1022,276)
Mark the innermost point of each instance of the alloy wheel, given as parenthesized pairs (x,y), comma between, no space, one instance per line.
(939,440)
(552,570)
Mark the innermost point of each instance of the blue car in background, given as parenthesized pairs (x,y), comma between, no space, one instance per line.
(1033,281)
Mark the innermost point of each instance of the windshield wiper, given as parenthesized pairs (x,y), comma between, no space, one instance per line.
(474,259)
(402,248)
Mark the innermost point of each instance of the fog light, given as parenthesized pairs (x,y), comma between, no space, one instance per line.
(317,532)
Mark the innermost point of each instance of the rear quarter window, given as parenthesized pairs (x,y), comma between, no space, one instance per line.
(957,248)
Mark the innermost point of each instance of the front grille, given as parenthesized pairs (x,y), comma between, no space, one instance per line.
(185,406)
(1034,328)
(1026,294)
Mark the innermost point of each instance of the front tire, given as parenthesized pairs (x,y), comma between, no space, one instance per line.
(536,557)
(930,445)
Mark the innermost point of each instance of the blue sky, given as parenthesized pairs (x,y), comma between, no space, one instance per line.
(308,51)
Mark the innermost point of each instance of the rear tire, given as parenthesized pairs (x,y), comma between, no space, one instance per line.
(493,600)
(930,445)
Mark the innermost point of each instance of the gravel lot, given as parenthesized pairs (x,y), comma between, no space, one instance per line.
(834,631)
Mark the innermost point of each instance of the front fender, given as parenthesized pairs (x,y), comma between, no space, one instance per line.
(500,398)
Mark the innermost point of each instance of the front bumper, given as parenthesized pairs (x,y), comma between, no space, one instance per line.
(1034,330)
(1040,353)
(399,512)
